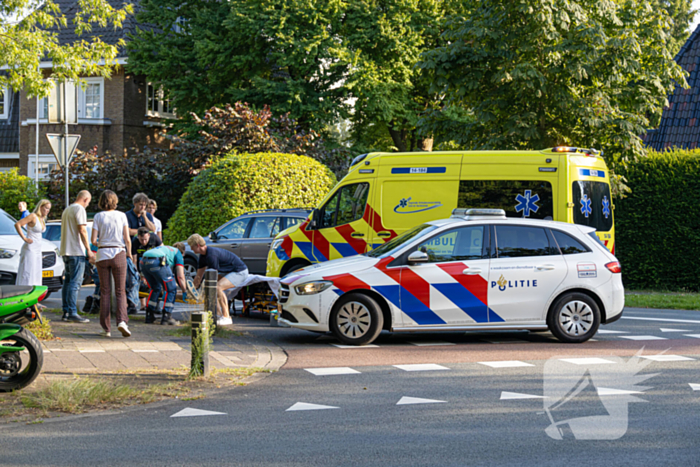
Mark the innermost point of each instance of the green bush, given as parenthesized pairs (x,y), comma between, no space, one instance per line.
(238,183)
(658,225)
(15,188)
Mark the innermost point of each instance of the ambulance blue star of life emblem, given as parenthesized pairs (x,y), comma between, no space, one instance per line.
(586,209)
(527,203)
(606,207)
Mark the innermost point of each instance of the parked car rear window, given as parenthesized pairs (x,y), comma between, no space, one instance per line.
(514,241)
(568,244)
(592,205)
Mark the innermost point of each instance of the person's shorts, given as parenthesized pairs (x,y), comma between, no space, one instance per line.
(237,278)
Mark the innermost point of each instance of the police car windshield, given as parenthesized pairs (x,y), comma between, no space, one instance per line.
(391,245)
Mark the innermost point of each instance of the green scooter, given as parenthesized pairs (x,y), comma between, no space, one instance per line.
(21,357)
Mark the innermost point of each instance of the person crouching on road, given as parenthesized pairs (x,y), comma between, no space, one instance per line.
(232,271)
(157,267)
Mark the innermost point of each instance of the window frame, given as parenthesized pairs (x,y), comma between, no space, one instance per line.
(5,100)
(561,251)
(246,231)
(553,247)
(82,104)
(261,218)
(160,100)
(339,194)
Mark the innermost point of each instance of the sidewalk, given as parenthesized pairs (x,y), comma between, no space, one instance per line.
(79,348)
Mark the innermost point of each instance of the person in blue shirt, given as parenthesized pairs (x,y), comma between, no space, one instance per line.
(22,206)
(138,217)
(233,272)
(157,267)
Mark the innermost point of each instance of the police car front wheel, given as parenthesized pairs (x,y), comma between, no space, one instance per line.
(574,318)
(356,319)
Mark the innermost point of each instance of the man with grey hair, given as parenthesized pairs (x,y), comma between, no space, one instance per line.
(74,246)
(138,216)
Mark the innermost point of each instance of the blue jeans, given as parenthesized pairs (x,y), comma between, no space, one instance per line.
(96,280)
(133,280)
(73,279)
(162,283)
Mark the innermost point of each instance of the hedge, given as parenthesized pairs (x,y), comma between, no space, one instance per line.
(238,183)
(15,188)
(657,225)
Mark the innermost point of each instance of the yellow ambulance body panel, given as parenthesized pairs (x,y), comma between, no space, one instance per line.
(386,194)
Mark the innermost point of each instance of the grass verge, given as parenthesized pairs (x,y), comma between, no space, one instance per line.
(42,330)
(667,300)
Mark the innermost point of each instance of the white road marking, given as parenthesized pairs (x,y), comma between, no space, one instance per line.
(694,387)
(342,370)
(508,341)
(644,338)
(605,331)
(421,367)
(405,400)
(306,406)
(343,346)
(672,330)
(669,320)
(697,336)
(667,358)
(506,364)
(615,392)
(429,343)
(64,350)
(144,351)
(586,361)
(516,395)
(92,351)
(190,412)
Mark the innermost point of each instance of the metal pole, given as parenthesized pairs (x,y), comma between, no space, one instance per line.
(65,140)
(210,294)
(200,359)
(36,154)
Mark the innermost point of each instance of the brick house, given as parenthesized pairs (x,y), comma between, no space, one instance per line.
(680,121)
(114,113)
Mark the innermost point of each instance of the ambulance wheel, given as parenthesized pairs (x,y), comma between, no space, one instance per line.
(574,318)
(356,319)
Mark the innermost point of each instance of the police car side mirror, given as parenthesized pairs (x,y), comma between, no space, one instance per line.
(418,257)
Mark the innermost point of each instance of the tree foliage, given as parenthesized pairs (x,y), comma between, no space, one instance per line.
(15,188)
(682,15)
(542,73)
(26,40)
(238,183)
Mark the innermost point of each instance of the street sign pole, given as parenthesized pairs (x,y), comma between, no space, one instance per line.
(65,141)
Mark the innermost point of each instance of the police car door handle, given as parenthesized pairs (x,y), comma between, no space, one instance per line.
(545,267)
(471,271)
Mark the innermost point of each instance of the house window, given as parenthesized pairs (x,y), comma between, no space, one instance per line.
(157,105)
(4,103)
(47,163)
(91,99)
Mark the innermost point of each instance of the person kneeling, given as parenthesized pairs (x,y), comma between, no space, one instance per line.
(157,268)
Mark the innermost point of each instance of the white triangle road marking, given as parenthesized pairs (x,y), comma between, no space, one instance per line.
(696,336)
(605,331)
(516,395)
(586,361)
(694,387)
(421,367)
(405,400)
(506,364)
(644,338)
(672,330)
(190,412)
(667,358)
(306,406)
(615,392)
(343,370)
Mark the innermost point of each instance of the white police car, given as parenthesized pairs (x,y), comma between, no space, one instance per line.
(477,270)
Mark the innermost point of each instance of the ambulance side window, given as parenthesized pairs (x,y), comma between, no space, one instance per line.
(347,205)
(514,241)
(463,244)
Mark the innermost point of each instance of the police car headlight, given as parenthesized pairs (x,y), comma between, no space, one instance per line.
(311,288)
(276,244)
(7,253)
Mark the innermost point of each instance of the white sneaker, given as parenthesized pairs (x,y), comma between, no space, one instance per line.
(224,321)
(124,329)
(104,333)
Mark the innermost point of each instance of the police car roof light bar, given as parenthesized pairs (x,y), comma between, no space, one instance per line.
(478,213)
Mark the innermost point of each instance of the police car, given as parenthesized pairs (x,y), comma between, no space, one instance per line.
(477,270)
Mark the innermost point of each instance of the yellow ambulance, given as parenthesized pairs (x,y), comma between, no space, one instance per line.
(386,194)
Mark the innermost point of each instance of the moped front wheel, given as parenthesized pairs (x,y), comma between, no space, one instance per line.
(18,369)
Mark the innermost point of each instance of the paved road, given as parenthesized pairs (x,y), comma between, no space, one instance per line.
(480,401)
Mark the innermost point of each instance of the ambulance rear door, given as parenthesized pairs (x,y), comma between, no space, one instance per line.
(412,189)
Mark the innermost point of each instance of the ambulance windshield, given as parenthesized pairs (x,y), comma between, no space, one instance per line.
(396,242)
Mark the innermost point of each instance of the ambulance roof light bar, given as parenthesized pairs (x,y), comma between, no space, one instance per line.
(588,152)
(478,214)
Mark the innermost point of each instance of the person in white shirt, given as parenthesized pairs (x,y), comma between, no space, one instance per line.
(110,232)
(74,246)
(151,208)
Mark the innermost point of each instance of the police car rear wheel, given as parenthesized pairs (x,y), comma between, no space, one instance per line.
(574,318)
(357,319)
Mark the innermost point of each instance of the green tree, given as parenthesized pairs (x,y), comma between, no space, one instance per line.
(542,73)
(277,52)
(682,15)
(27,39)
(15,188)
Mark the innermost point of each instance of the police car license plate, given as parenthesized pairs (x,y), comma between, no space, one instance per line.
(46,273)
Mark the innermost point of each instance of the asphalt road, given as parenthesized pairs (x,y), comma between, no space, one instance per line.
(475,399)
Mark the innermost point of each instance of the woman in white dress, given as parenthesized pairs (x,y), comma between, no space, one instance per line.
(30,255)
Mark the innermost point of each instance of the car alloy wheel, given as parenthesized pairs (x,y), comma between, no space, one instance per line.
(354,320)
(576,318)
